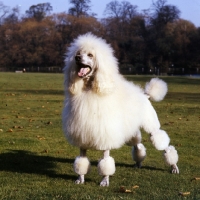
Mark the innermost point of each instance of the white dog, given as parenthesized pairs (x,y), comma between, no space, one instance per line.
(104,111)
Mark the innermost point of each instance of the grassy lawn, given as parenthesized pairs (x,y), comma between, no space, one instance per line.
(36,160)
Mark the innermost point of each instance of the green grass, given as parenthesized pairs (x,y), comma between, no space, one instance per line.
(36,160)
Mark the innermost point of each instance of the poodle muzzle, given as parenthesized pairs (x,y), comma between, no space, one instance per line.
(83,69)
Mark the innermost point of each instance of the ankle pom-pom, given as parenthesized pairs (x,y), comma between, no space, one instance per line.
(171,155)
(139,154)
(106,166)
(81,165)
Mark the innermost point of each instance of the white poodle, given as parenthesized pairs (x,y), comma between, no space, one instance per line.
(104,111)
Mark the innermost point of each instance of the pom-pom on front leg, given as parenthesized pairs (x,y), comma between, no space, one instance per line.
(81,167)
(106,167)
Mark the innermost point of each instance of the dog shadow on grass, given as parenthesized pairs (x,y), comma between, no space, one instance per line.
(31,163)
(133,166)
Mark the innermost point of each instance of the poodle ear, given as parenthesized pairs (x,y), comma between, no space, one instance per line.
(72,83)
(74,87)
(103,82)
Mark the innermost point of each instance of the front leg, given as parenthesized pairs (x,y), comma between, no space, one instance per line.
(81,166)
(106,167)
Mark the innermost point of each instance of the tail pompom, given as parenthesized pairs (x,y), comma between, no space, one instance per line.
(156,89)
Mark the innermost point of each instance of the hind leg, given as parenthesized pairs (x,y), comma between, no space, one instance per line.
(138,149)
(138,154)
(160,138)
(81,166)
(106,167)
(171,158)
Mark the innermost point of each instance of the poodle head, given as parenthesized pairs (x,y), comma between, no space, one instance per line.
(90,65)
(85,63)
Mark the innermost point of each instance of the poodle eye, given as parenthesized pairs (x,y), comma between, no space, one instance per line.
(90,55)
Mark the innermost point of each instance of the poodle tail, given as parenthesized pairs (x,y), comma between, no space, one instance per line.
(156,89)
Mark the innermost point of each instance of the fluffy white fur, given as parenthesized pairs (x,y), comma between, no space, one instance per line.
(81,165)
(160,139)
(156,89)
(171,156)
(138,154)
(106,166)
(102,110)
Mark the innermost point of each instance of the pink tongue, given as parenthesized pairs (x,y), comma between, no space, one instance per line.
(82,72)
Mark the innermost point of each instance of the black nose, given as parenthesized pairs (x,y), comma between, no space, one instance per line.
(78,58)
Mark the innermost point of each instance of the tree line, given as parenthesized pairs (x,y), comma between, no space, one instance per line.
(153,41)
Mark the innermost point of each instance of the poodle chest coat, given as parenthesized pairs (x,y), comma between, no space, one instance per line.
(108,121)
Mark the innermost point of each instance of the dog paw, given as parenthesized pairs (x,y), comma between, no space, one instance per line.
(175,169)
(80,180)
(105,181)
(77,181)
(138,165)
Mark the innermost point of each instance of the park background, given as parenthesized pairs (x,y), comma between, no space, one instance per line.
(152,41)
(36,161)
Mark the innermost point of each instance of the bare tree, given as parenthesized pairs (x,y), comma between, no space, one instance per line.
(39,11)
(13,16)
(80,8)
(124,10)
(4,10)
(113,9)
(163,13)
(128,11)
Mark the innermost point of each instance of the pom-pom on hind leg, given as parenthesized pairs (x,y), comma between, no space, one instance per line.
(106,167)
(81,166)
(138,154)
(138,149)
(171,158)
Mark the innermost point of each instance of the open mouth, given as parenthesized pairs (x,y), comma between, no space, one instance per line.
(84,70)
